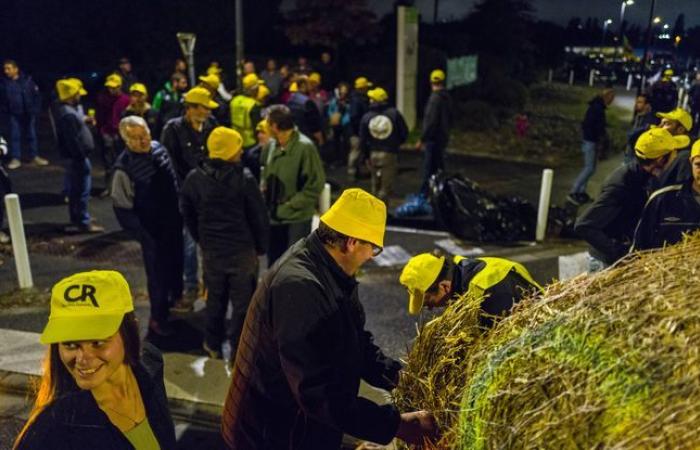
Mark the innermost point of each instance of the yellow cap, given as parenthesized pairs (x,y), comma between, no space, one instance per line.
(418,275)
(211,79)
(668,72)
(68,88)
(87,306)
(695,151)
(224,143)
(263,93)
(680,115)
(658,142)
(315,77)
(362,82)
(263,126)
(250,81)
(138,87)
(214,70)
(113,81)
(200,96)
(378,95)
(80,83)
(437,76)
(358,214)
(294,87)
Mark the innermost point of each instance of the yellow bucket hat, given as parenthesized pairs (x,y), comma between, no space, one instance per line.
(87,306)
(362,82)
(250,81)
(215,70)
(68,88)
(80,83)
(200,96)
(139,87)
(417,276)
(658,142)
(378,94)
(680,115)
(224,143)
(437,76)
(358,214)
(211,79)
(113,81)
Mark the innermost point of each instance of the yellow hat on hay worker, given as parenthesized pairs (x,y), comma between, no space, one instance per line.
(358,214)
(417,276)
(658,142)
(211,79)
(200,96)
(113,81)
(68,88)
(437,76)
(224,143)
(680,115)
(378,95)
(87,306)
(138,87)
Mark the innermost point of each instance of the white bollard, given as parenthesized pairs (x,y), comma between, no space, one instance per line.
(543,207)
(685,101)
(630,78)
(644,81)
(571,77)
(19,242)
(550,76)
(681,94)
(591,77)
(324,203)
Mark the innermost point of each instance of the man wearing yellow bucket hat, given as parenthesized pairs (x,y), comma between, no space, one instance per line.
(671,211)
(304,348)
(226,214)
(100,388)
(608,225)
(433,280)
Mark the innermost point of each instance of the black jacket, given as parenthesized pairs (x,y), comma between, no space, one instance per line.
(225,211)
(75,139)
(608,225)
(301,356)
(359,105)
(436,118)
(187,148)
(678,172)
(668,214)
(390,143)
(593,125)
(305,113)
(75,422)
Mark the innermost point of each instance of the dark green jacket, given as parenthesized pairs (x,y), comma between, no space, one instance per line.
(292,178)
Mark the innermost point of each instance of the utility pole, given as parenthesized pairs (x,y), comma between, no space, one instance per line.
(647,43)
(436,4)
(239,42)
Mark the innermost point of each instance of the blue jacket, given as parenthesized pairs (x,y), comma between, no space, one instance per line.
(20,96)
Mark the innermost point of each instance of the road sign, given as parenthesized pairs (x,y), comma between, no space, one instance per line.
(461,71)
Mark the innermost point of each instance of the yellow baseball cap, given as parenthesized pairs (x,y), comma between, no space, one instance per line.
(315,77)
(80,83)
(200,96)
(358,214)
(695,151)
(294,87)
(211,79)
(224,143)
(437,76)
(250,81)
(263,93)
(68,88)
(668,72)
(680,115)
(87,306)
(113,81)
(658,142)
(138,87)
(263,126)
(417,276)
(362,82)
(378,94)
(215,70)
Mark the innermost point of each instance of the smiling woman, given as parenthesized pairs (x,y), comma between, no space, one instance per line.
(100,388)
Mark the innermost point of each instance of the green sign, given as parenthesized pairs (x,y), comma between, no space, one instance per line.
(461,71)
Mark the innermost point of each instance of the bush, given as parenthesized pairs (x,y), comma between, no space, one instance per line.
(476,115)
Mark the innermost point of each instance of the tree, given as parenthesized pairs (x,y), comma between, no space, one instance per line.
(330,23)
(679,26)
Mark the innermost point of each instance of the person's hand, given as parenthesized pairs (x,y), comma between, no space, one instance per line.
(89,120)
(417,426)
(419,145)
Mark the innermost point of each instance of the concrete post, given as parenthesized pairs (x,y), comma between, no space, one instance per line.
(324,203)
(591,77)
(19,242)
(681,94)
(571,77)
(629,81)
(550,76)
(543,207)
(406,62)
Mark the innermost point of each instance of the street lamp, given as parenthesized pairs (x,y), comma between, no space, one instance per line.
(657,20)
(623,6)
(605,29)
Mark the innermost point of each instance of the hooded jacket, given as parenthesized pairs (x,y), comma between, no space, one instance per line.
(371,140)
(593,125)
(436,119)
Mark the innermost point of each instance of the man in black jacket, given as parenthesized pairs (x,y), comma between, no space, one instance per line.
(75,142)
(608,225)
(304,348)
(382,131)
(306,115)
(144,195)
(436,128)
(593,131)
(226,214)
(678,122)
(671,211)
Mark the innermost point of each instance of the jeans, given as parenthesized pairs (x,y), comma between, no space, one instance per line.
(589,162)
(434,161)
(282,236)
(190,262)
(79,193)
(22,126)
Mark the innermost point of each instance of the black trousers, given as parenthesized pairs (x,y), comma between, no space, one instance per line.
(283,236)
(162,259)
(235,283)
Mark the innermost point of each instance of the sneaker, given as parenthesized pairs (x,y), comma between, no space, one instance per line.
(183,305)
(90,228)
(14,164)
(163,329)
(39,161)
(4,238)
(213,354)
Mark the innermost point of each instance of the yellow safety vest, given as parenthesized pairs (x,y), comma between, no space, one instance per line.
(494,272)
(241,106)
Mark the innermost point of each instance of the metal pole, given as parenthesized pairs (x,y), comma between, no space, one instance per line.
(543,207)
(643,63)
(550,75)
(435,10)
(239,42)
(591,77)
(19,242)
(629,81)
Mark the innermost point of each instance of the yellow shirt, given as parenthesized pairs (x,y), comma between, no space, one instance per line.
(142,437)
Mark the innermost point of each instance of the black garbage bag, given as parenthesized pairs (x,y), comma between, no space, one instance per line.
(472,213)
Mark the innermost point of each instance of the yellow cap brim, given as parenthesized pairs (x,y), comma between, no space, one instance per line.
(69,329)
(112,85)
(415,302)
(83,91)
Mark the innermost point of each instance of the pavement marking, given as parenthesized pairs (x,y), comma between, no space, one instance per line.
(398,229)
(392,255)
(452,247)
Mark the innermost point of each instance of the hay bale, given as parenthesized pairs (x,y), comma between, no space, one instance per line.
(603,361)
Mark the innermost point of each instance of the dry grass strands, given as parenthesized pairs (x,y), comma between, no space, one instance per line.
(610,360)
